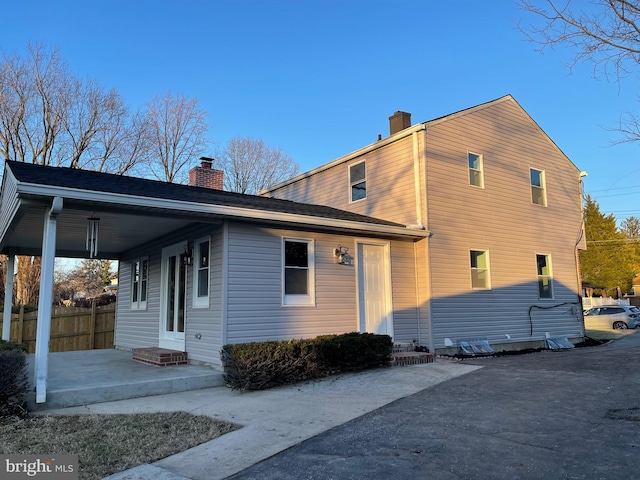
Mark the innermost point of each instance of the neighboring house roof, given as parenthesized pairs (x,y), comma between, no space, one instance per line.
(135,210)
(408,131)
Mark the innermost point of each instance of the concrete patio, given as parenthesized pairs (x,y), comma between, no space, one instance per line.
(94,376)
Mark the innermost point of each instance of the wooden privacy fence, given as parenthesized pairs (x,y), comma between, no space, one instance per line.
(72,328)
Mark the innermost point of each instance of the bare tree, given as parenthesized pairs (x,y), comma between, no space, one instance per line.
(250,165)
(177,129)
(50,116)
(605,34)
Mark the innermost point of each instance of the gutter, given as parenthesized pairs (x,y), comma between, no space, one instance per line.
(208,209)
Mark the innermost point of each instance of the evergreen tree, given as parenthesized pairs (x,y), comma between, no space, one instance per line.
(610,259)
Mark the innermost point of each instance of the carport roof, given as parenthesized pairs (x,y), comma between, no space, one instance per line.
(135,210)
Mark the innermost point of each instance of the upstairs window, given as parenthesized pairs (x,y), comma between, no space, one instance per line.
(476,177)
(201,273)
(358,181)
(480,269)
(538,190)
(139,282)
(545,278)
(298,272)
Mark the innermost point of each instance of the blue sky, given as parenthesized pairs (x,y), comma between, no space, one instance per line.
(320,78)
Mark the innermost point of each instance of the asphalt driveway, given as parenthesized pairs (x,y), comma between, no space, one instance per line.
(548,415)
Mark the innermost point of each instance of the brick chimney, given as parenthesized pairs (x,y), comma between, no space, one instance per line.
(205,176)
(399,121)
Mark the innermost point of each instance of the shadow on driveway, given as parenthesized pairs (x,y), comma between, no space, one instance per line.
(547,415)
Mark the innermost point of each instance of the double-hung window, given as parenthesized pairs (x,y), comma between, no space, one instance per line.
(538,188)
(480,278)
(201,273)
(298,272)
(476,177)
(545,277)
(139,283)
(358,181)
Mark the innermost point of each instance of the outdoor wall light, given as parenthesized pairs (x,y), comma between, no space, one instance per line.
(187,256)
(342,255)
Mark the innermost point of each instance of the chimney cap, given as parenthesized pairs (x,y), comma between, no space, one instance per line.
(206,162)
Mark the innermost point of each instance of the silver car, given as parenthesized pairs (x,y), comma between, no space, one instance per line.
(619,317)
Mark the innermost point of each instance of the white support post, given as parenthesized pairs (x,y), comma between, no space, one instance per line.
(8,297)
(43,327)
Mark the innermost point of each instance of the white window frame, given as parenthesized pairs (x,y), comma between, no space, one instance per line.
(487,269)
(198,301)
(353,183)
(137,287)
(308,299)
(480,170)
(542,187)
(540,276)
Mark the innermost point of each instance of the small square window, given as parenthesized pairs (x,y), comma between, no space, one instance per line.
(538,188)
(480,277)
(358,181)
(476,177)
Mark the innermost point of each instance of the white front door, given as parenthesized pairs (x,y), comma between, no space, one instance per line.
(374,286)
(173,298)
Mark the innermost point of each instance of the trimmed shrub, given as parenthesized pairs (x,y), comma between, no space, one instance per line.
(4,345)
(13,380)
(261,365)
(353,351)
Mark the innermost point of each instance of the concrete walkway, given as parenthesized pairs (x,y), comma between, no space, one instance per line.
(568,415)
(272,420)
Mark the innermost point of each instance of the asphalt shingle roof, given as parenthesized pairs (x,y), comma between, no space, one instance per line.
(118,184)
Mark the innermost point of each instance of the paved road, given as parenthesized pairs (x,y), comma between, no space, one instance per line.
(548,415)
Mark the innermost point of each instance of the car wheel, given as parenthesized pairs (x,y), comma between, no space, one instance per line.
(619,326)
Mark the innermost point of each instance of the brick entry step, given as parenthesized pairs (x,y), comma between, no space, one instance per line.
(160,357)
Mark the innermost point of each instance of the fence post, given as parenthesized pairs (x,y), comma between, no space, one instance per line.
(20,325)
(92,325)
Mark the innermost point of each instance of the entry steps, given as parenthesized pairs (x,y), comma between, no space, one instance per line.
(404,354)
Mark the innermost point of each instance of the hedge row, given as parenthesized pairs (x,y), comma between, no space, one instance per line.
(261,365)
(13,379)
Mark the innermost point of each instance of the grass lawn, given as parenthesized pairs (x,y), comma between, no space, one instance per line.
(107,444)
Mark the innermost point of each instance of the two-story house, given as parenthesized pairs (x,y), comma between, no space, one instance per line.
(502,204)
(466,226)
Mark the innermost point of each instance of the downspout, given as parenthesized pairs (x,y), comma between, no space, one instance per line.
(43,328)
(8,297)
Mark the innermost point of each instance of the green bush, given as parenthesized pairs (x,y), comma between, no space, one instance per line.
(13,381)
(261,365)
(353,351)
(4,345)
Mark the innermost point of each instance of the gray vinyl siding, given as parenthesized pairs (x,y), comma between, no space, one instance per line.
(207,322)
(501,219)
(138,328)
(391,193)
(254,303)
(403,285)
(141,328)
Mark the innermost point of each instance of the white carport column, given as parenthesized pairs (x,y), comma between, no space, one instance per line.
(8,297)
(43,327)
